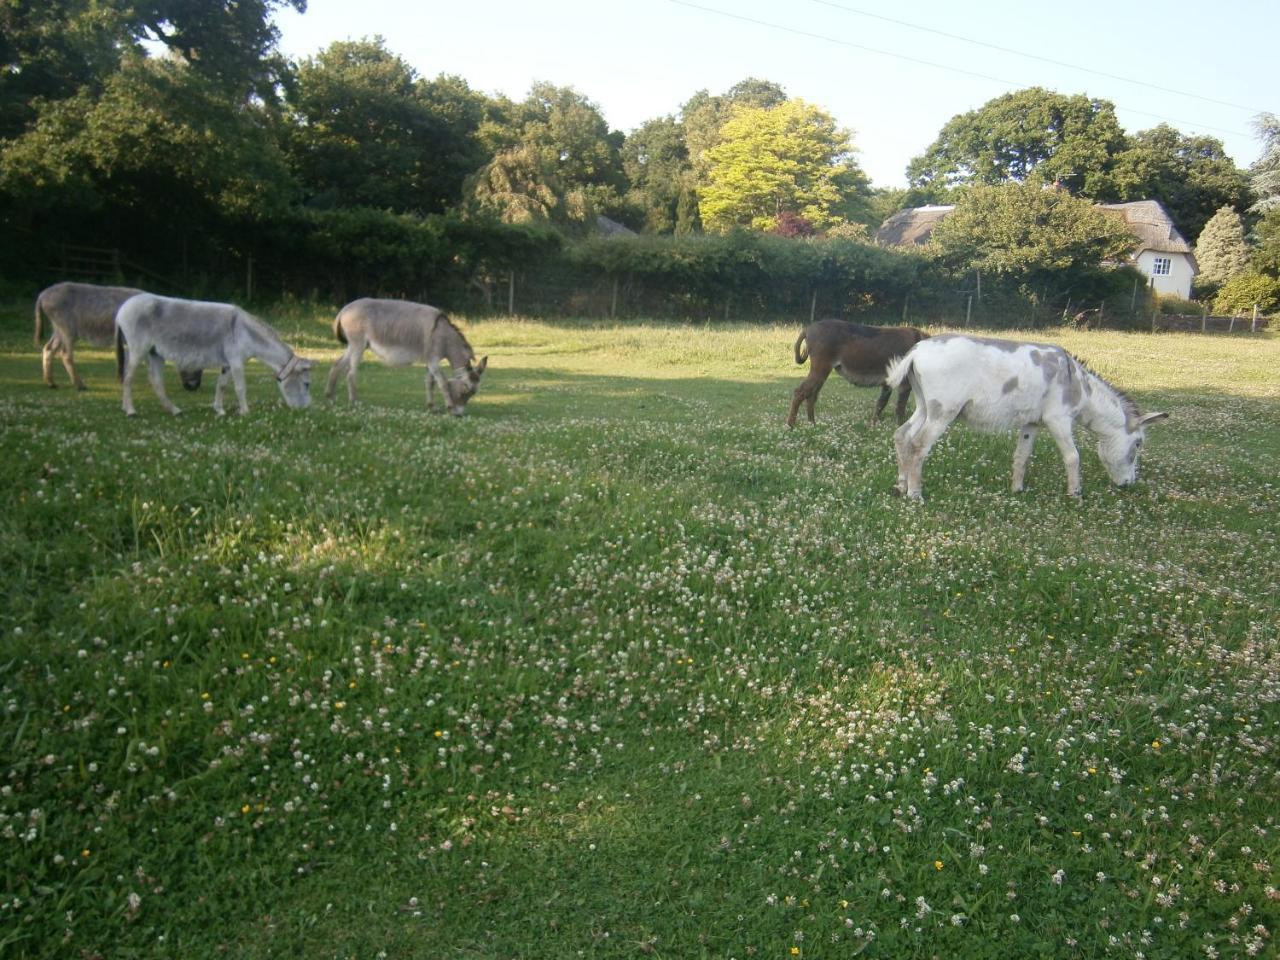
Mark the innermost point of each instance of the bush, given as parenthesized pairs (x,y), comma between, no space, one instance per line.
(1171,303)
(1242,292)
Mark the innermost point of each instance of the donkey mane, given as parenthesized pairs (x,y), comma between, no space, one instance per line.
(1127,403)
(454,327)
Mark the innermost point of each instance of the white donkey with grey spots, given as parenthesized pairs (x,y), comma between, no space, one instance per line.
(997,385)
(196,334)
(400,333)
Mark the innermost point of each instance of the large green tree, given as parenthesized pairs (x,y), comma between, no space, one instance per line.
(1028,234)
(1031,135)
(660,176)
(365,130)
(51,50)
(158,155)
(1266,171)
(555,160)
(788,160)
(1192,176)
(1221,251)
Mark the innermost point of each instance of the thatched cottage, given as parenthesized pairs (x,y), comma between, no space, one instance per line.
(1162,255)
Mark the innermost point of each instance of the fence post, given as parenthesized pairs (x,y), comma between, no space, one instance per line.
(248,280)
(1253,327)
(1133,303)
(979,275)
(968,310)
(905,300)
(813,305)
(1204,317)
(511,293)
(613,304)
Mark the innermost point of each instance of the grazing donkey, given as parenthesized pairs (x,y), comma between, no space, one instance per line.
(195,334)
(859,353)
(400,333)
(83,311)
(998,385)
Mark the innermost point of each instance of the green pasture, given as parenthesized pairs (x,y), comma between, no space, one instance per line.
(617,666)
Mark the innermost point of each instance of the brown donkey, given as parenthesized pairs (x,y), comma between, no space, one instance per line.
(859,353)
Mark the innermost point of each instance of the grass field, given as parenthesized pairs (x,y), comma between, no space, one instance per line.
(617,666)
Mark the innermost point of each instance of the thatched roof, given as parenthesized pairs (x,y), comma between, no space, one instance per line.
(612,228)
(910,226)
(1150,223)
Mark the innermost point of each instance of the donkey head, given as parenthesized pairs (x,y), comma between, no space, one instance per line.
(462,386)
(1119,451)
(295,382)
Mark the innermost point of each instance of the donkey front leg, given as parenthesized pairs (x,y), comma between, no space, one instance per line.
(886,391)
(1061,434)
(1021,455)
(237,378)
(69,364)
(155,373)
(436,379)
(218,389)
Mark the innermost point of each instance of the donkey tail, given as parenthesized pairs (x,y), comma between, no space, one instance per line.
(898,370)
(119,355)
(801,348)
(337,328)
(39,320)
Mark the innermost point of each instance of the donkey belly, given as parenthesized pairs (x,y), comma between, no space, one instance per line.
(861,378)
(394,355)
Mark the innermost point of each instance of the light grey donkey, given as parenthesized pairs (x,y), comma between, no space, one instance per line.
(83,311)
(197,334)
(996,385)
(400,333)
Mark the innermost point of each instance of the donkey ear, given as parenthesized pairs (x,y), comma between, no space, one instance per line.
(484,362)
(1151,418)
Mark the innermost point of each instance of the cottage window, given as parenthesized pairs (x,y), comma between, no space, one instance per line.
(1160,266)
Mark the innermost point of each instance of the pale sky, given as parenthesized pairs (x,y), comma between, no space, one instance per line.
(1203,67)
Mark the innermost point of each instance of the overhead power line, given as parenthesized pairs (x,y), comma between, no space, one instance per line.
(1034,56)
(928,63)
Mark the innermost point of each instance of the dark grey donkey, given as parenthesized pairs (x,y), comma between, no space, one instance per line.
(401,333)
(83,311)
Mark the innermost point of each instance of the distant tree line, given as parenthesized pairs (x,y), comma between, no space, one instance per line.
(177,133)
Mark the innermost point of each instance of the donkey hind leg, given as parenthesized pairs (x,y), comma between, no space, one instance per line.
(46,359)
(155,373)
(807,392)
(69,364)
(914,448)
(1021,456)
(133,360)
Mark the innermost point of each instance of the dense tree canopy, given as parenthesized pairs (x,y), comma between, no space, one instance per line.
(1266,171)
(788,159)
(556,161)
(1029,135)
(1192,176)
(1221,251)
(1025,232)
(365,130)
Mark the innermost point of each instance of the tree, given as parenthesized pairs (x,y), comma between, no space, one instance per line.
(160,155)
(1192,176)
(1221,250)
(54,49)
(365,130)
(791,159)
(557,161)
(1266,171)
(1031,135)
(1244,291)
(1029,234)
(656,162)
